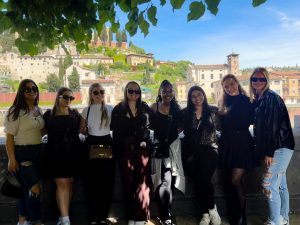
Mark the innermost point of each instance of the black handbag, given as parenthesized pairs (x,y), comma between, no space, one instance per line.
(97,151)
(11,187)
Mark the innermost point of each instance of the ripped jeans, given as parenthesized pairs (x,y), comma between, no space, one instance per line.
(275,186)
(29,161)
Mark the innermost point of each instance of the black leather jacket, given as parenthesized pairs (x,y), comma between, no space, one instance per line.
(272,127)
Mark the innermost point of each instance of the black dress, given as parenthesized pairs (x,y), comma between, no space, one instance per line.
(62,155)
(236,148)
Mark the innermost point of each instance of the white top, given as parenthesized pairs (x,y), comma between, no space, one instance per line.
(94,120)
(26,129)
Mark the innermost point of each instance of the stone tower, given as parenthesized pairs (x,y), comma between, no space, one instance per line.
(233,64)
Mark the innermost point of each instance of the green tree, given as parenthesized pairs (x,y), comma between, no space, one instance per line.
(68,61)
(136,49)
(119,38)
(95,38)
(53,82)
(61,71)
(75,20)
(7,41)
(13,84)
(103,35)
(124,36)
(110,36)
(74,83)
(181,68)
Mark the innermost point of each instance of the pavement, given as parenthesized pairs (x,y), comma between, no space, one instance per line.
(253,219)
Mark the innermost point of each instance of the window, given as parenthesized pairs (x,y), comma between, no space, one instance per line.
(202,76)
(221,75)
(211,85)
(277,82)
(211,76)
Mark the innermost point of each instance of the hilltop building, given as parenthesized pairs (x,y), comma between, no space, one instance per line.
(206,75)
(136,59)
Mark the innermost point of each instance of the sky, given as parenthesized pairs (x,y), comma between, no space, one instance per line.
(268,35)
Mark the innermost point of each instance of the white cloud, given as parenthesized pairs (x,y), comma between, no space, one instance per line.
(288,22)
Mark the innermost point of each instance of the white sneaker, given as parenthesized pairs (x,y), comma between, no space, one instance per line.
(214,216)
(139,222)
(25,223)
(282,221)
(205,219)
(130,222)
(66,222)
(59,221)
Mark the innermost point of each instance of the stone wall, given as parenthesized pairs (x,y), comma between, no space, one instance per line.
(183,204)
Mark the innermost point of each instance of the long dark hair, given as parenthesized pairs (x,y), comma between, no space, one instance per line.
(190,110)
(59,92)
(174,107)
(139,103)
(20,101)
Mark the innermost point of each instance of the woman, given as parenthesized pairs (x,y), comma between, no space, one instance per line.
(129,123)
(164,122)
(199,154)
(274,140)
(236,149)
(22,125)
(61,157)
(99,177)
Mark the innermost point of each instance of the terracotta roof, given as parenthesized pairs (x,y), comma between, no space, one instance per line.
(140,55)
(210,67)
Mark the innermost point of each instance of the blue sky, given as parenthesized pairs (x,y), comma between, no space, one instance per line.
(263,36)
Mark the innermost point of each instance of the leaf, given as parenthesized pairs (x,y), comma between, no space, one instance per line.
(3,4)
(212,6)
(26,47)
(197,10)
(134,3)
(256,3)
(5,23)
(125,6)
(131,26)
(115,26)
(177,4)
(162,2)
(143,24)
(151,13)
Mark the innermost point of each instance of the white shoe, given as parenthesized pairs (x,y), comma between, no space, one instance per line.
(139,222)
(214,216)
(283,221)
(205,219)
(25,223)
(130,222)
(66,222)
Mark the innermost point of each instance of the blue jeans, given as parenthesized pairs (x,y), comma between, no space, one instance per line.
(275,185)
(29,161)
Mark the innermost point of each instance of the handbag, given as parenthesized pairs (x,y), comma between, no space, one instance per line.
(11,187)
(98,151)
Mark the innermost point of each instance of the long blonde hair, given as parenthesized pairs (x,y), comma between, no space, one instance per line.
(104,113)
(223,109)
(266,74)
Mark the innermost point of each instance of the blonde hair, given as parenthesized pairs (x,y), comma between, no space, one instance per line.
(266,74)
(104,113)
(223,109)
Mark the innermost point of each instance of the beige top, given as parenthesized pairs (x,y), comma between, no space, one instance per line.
(26,129)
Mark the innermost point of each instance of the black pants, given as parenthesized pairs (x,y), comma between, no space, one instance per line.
(164,193)
(99,182)
(201,170)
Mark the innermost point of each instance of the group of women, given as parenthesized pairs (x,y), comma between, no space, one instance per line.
(143,170)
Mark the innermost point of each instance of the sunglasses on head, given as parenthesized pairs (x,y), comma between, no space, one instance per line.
(131,91)
(31,89)
(260,79)
(102,92)
(67,97)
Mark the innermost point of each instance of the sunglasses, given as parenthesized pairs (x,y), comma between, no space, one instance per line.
(131,91)
(260,79)
(67,97)
(102,92)
(31,89)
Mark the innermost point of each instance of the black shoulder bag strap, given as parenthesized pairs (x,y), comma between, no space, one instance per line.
(87,120)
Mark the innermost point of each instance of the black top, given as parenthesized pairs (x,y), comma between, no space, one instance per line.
(124,127)
(240,114)
(236,149)
(272,127)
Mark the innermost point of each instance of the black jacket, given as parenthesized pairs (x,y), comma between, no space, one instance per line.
(272,127)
